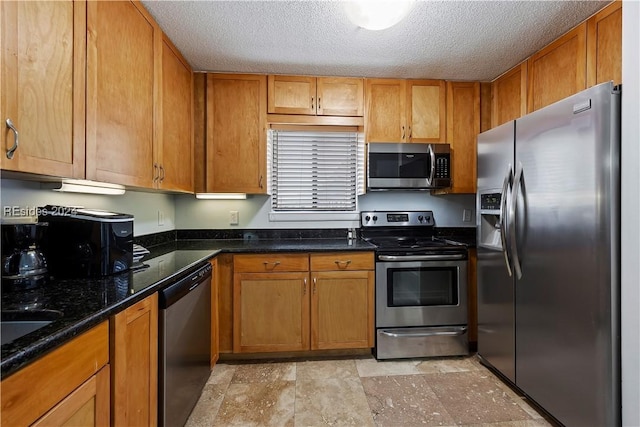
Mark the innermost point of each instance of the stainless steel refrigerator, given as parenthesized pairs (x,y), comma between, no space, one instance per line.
(548,209)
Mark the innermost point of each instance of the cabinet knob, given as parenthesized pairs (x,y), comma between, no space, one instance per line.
(12,150)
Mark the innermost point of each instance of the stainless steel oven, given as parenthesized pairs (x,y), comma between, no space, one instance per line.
(421,287)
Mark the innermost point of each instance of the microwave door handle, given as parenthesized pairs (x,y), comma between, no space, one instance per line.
(433,164)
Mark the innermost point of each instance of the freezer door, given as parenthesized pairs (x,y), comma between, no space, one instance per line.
(495,153)
(566,209)
(496,321)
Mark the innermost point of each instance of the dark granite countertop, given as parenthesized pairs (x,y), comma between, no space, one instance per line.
(87,302)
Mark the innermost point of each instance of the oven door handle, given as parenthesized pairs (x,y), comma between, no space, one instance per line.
(449,332)
(421,257)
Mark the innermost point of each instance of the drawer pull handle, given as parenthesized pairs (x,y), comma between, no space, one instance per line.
(343,264)
(274,264)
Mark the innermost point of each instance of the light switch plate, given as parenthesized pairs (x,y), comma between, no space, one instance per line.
(466,215)
(234,218)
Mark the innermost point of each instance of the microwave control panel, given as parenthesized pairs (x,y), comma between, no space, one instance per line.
(442,166)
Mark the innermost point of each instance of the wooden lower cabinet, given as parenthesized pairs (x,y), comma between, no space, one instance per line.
(67,385)
(134,364)
(215,322)
(88,405)
(342,309)
(271,312)
(281,311)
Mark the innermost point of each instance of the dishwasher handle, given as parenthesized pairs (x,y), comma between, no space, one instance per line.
(174,292)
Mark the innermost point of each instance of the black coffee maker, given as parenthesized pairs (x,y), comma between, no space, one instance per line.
(23,264)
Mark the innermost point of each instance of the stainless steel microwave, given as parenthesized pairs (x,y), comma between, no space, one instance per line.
(408,166)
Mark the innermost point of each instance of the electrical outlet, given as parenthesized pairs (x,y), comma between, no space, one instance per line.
(466,215)
(160,218)
(234,218)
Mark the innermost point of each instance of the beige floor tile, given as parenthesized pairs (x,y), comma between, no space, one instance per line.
(331,402)
(449,364)
(207,407)
(404,400)
(372,367)
(520,400)
(264,372)
(523,423)
(474,398)
(221,374)
(325,369)
(258,404)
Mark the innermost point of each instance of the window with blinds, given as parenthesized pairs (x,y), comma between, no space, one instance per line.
(315,170)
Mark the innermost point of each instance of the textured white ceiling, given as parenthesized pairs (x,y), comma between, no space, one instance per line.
(456,40)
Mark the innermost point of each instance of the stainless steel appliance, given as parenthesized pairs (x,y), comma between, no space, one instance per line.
(421,287)
(408,166)
(548,237)
(184,345)
(87,242)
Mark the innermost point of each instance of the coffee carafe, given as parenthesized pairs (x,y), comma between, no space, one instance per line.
(23,264)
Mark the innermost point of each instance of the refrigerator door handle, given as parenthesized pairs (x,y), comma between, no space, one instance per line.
(507,186)
(517,266)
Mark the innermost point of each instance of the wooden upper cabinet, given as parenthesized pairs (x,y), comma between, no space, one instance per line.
(43,86)
(322,96)
(426,115)
(385,119)
(558,70)
(121,79)
(405,110)
(604,45)
(174,154)
(463,127)
(236,133)
(509,93)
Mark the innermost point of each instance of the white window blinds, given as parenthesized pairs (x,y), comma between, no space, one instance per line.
(315,170)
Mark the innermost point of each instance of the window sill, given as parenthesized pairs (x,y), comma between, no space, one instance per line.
(313,216)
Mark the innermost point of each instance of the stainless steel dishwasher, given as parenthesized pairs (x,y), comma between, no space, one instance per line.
(184,345)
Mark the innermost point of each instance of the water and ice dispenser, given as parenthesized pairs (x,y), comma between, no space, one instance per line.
(489,219)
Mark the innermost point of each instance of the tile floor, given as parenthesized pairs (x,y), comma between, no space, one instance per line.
(360,392)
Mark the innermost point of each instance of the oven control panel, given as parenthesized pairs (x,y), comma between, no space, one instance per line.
(397,219)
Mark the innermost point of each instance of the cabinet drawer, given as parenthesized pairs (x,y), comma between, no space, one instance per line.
(342,261)
(260,263)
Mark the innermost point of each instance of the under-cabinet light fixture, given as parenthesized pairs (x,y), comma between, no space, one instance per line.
(377,14)
(84,186)
(221,196)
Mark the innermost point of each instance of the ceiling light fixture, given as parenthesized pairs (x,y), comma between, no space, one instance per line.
(84,186)
(377,15)
(221,196)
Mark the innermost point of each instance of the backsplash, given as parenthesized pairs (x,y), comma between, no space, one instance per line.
(143,206)
(253,213)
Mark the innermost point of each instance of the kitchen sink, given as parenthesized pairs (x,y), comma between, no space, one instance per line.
(18,323)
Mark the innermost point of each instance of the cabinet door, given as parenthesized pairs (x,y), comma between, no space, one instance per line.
(35,389)
(340,96)
(426,115)
(342,309)
(43,79)
(509,93)
(604,45)
(134,364)
(270,312)
(120,92)
(88,405)
(385,119)
(463,127)
(236,133)
(558,70)
(175,151)
(292,95)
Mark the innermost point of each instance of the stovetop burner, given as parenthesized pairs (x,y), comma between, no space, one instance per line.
(409,231)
